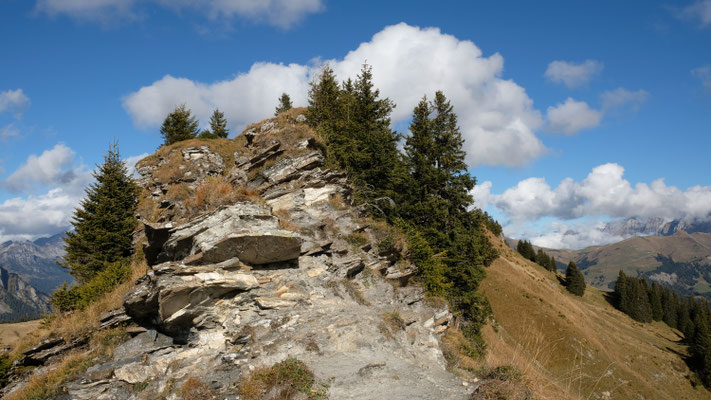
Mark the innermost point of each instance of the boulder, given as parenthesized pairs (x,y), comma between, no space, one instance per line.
(244,230)
(174,297)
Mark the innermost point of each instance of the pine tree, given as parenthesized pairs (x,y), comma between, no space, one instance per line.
(218,124)
(552,266)
(324,109)
(104,222)
(670,308)
(622,293)
(284,104)
(179,125)
(641,310)
(655,301)
(574,280)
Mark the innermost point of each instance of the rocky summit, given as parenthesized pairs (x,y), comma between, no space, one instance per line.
(289,271)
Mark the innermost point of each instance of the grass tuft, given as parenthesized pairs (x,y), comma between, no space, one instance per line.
(282,381)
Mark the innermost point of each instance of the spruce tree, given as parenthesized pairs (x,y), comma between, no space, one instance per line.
(324,109)
(284,104)
(104,222)
(670,308)
(179,125)
(552,266)
(640,308)
(622,293)
(218,124)
(655,301)
(574,280)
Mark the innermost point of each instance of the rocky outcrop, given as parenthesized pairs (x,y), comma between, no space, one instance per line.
(231,291)
(244,230)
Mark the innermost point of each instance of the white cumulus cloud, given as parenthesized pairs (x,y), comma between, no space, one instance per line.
(572,116)
(247,98)
(14,101)
(496,115)
(131,163)
(32,217)
(55,167)
(573,235)
(281,13)
(573,74)
(604,192)
(52,184)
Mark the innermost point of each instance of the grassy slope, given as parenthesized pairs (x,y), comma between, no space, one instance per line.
(10,334)
(572,347)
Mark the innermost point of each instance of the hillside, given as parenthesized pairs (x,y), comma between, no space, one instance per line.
(257,262)
(680,261)
(19,300)
(36,262)
(257,278)
(579,348)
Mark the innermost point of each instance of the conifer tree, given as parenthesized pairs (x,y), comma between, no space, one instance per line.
(284,104)
(574,280)
(218,124)
(104,222)
(324,109)
(622,293)
(640,309)
(552,266)
(179,125)
(670,308)
(655,301)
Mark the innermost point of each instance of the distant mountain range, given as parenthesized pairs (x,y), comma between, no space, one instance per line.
(637,226)
(36,262)
(681,261)
(19,300)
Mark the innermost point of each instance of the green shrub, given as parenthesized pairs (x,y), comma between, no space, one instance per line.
(79,297)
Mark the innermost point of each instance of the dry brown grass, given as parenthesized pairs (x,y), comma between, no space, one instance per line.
(10,334)
(284,216)
(48,385)
(78,323)
(459,353)
(578,348)
(392,324)
(288,132)
(338,202)
(224,147)
(195,389)
(215,192)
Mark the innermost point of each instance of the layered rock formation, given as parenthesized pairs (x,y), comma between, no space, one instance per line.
(293,272)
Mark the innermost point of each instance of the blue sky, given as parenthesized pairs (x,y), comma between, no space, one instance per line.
(607,97)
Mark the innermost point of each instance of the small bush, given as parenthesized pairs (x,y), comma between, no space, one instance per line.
(79,297)
(286,378)
(356,239)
